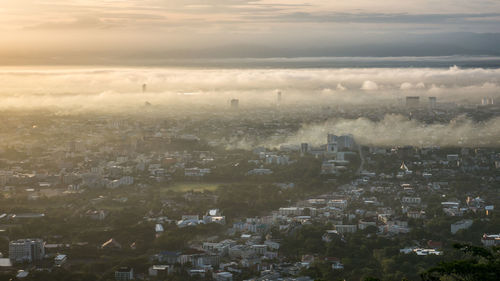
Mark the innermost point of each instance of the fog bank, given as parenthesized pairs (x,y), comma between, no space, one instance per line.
(392,130)
(106,88)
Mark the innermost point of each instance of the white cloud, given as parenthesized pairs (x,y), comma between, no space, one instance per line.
(420,85)
(369,86)
(398,130)
(406,86)
(79,88)
(341,87)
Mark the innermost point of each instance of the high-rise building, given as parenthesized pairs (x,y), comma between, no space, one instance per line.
(331,145)
(331,138)
(412,101)
(26,250)
(304,148)
(278,96)
(235,103)
(432,102)
(345,142)
(144,88)
(487,101)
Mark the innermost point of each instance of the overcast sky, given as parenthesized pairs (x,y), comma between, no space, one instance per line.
(72,31)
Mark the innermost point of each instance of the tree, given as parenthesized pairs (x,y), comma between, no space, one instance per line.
(478,264)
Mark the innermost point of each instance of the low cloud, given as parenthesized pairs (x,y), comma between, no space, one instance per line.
(369,86)
(119,90)
(91,89)
(393,130)
(341,87)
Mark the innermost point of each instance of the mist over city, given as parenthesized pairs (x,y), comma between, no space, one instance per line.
(267,140)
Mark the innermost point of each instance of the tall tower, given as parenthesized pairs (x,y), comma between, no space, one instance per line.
(332,145)
(304,148)
(144,87)
(487,101)
(432,102)
(278,97)
(331,138)
(235,103)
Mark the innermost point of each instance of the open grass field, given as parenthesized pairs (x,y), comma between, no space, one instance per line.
(195,186)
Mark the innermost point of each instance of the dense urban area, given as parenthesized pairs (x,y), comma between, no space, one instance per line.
(224,194)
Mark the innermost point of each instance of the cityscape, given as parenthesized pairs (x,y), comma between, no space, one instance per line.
(238,140)
(180,196)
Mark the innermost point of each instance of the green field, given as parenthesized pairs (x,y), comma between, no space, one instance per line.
(195,186)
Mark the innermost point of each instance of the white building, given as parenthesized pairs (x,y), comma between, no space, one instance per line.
(420,251)
(159,227)
(338,203)
(160,270)
(214,219)
(196,172)
(126,180)
(189,220)
(411,200)
(277,159)
(365,224)
(337,265)
(459,225)
(223,276)
(346,228)
(59,260)
(490,240)
(426,252)
(259,249)
(296,211)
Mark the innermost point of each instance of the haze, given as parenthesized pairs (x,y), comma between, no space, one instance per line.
(146,31)
(100,88)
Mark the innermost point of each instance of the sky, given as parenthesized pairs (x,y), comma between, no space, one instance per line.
(144,31)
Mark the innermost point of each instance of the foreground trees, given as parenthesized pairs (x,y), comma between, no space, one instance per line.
(477,264)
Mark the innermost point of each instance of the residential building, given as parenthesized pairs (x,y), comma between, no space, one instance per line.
(411,200)
(160,271)
(59,260)
(490,240)
(346,228)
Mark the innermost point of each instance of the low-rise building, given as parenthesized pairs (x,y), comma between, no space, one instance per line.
(223,276)
(489,240)
(459,225)
(346,228)
(338,203)
(160,271)
(411,200)
(196,172)
(124,274)
(59,260)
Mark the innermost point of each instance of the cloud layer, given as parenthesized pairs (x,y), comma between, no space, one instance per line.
(174,90)
(76,31)
(95,89)
(397,130)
